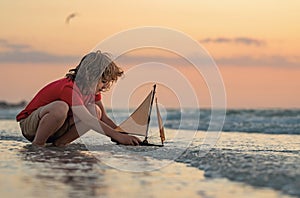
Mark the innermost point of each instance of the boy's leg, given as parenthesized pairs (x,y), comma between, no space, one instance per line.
(72,134)
(78,128)
(52,117)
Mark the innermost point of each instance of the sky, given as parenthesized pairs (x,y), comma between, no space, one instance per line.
(255,44)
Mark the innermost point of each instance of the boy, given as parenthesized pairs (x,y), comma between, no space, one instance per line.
(67,108)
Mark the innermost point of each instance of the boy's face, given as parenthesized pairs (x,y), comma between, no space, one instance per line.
(102,85)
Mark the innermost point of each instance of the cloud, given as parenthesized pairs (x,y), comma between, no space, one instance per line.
(34,57)
(237,40)
(243,61)
(273,61)
(23,53)
(14,47)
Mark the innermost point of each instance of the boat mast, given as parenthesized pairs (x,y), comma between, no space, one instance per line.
(149,113)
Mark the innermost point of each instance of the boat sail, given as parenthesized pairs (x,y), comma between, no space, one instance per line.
(160,124)
(138,122)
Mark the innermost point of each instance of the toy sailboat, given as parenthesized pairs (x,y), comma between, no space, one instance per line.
(138,122)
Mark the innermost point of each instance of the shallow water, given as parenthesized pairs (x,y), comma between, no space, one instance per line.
(75,171)
(256,159)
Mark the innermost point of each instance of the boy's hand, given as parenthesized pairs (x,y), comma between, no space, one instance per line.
(125,139)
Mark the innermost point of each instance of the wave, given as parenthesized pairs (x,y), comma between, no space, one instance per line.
(9,113)
(271,121)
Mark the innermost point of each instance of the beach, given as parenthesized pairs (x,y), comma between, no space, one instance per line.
(239,165)
(219,78)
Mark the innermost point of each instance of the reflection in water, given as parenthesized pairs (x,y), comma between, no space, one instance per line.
(71,169)
(27,171)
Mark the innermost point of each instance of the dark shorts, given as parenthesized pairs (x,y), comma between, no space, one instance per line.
(30,124)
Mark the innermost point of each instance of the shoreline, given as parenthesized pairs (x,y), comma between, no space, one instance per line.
(237,161)
(260,160)
(53,172)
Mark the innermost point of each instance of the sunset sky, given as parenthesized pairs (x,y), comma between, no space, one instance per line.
(255,44)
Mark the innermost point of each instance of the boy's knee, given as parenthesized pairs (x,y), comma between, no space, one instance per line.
(60,109)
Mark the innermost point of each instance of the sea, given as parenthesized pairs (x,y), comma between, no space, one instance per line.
(256,153)
(269,121)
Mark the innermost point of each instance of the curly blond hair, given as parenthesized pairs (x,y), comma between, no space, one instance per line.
(92,68)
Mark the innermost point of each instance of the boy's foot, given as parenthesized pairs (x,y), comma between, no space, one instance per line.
(37,144)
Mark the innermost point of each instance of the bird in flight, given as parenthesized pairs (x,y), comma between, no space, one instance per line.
(70,16)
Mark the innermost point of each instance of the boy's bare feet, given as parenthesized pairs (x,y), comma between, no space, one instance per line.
(38,144)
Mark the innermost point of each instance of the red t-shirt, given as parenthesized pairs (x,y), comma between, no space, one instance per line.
(63,89)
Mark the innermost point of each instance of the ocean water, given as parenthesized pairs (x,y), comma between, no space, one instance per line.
(270,121)
(256,155)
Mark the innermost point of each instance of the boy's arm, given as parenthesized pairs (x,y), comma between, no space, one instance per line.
(105,117)
(86,117)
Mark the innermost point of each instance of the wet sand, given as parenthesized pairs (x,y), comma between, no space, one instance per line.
(74,171)
(261,160)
